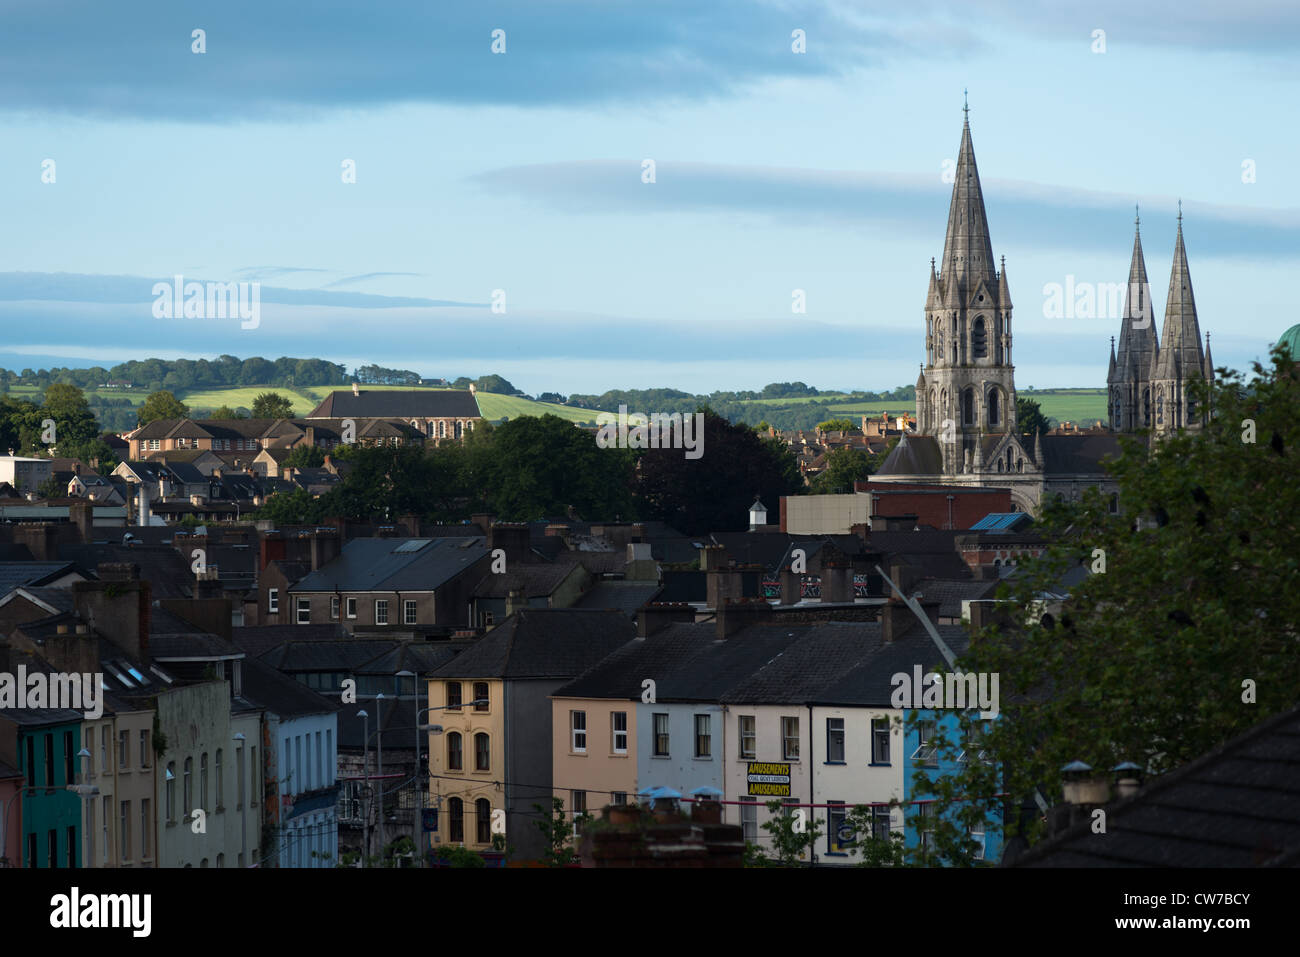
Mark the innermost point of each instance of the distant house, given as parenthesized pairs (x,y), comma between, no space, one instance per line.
(436,414)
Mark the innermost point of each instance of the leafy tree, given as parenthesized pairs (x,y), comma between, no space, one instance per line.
(1183,634)
(1029,417)
(75,424)
(457,856)
(226,412)
(272,405)
(792,837)
(161,405)
(837,425)
(297,507)
(557,828)
(305,457)
(714,492)
(870,850)
(844,466)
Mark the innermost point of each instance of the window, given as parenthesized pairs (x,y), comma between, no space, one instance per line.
(203,780)
(926,754)
(619,719)
(72,846)
(239,777)
(125,836)
(578,803)
(187,792)
(304,611)
(409,616)
(256,782)
(977,835)
(106,822)
(104,753)
(220,785)
(483,820)
(703,740)
(482,752)
(123,748)
(925,824)
(749,818)
(171,792)
(661,735)
(790,738)
(155,445)
(578,731)
(456,820)
(70,758)
(455,760)
(880,823)
(618,798)
(351,606)
(273,600)
(879,740)
(481,695)
(835,742)
(381,611)
(145,757)
(49,760)
(334,607)
(748,736)
(453,695)
(838,840)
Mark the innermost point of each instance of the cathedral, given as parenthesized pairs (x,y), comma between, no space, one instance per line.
(966,430)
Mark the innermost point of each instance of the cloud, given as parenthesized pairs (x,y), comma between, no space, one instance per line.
(366,277)
(272,272)
(1024,214)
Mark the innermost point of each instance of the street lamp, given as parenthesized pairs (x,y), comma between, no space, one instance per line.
(84,791)
(243,801)
(379,772)
(365,771)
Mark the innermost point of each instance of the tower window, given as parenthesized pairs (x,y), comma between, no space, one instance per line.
(993,416)
(968,407)
(979,339)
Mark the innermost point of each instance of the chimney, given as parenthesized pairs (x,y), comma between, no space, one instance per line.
(713,556)
(483,520)
(790,593)
(512,538)
(722,584)
(118,607)
(515,600)
(837,582)
(741,613)
(896,619)
(658,616)
(325,547)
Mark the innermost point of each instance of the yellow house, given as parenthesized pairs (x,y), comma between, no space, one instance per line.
(594,752)
(467,760)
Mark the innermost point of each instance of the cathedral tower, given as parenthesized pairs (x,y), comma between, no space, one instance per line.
(1129,380)
(1180,358)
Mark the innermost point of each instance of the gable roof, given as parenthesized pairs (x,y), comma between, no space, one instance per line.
(398,403)
(542,643)
(17,574)
(394,564)
(285,696)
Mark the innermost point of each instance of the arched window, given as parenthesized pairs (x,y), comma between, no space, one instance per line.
(483,820)
(968,407)
(1008,460)
(482,752)
(456,820)
(187,791)
(999,465)
(459,427)
(455,756)
(1160,409)
(979,339)
(442,429)
(1191,410)
(171,790)
(1020,465)
(203,781)
(994,410)
(1146,408)
(1047,621)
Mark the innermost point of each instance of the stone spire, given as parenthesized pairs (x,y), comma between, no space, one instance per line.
(932,298)
(1004,291)
(1038,449)
(967,250)
(1134,361)
(1180,340)
(1110,372)
(1209,362)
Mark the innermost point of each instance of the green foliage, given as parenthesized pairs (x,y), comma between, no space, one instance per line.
(1029,417)
(272,405)
(844,466)
(297,507)
(226,412)
(837,425)
(161,405)
(714,492)
(305,456)
(1199,594)
(457,856)
(557,829)
(75,425)
(791,840)
(870,850)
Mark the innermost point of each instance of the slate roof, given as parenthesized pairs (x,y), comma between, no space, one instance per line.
(381,564)
(276,692)
(868,684)
(1233,807)
(36,717)
(1064,454)
(58,599)
(398,403)
(256,640)
(8,771)
(542,643)
(952,593)
(172,637)
(537,581)
(17,574)
(913,455)
(934,551)
(326,655)
(421,657)
(163,567)
(622,596)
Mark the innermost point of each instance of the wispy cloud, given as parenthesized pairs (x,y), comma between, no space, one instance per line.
(1020,213)
(273,272)
(366,277)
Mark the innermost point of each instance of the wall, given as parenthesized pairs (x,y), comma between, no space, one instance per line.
(599,771)
(467,784)
(768,748)
(308,838)
(681,770)
(857,780)
(45,809)
(823,514)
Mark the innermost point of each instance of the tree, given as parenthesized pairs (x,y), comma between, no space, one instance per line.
(870,850)
(272,405)
(837,425)
(161,405)
(226,412)
(844,466)
(297,507)
(714,491)
(303,456)
(1029,417)
(75,424)
(557,829)
(1183,634)
(792,837)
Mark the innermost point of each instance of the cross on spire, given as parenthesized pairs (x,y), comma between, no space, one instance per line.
(1137,216)
(1180,213)
(965,105)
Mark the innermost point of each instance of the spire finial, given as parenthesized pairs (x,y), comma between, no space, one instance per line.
(965,105)
(1180,213)
(1137,217)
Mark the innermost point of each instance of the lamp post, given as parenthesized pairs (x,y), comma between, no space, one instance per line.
(365,771)
(84,791)
(243,802)
(379,765)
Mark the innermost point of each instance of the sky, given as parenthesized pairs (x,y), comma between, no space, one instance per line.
(519,178)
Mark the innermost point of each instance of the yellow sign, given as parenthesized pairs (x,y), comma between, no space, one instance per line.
(768,779)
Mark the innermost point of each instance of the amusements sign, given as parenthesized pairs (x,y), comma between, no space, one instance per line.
(769,780)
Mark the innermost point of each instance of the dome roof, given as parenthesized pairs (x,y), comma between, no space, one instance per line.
(1291,338)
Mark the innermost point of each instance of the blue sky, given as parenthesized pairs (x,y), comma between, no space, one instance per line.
(521,171)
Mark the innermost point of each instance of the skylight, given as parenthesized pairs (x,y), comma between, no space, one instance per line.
(412,545)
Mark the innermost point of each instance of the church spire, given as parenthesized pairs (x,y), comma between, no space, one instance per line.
(1180,340)
(967,250)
